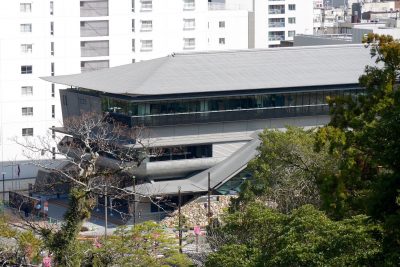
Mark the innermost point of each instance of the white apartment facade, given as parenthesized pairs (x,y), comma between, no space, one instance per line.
(44,38)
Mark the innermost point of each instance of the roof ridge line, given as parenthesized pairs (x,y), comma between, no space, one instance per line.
(255,50)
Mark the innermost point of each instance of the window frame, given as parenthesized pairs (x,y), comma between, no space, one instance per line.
(27,111)
(26,69)
(27,132)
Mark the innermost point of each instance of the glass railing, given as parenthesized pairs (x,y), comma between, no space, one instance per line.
(221,116)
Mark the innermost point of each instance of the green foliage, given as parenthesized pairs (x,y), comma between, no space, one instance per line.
(18,246)
(261,236)
(63,243)
(146,244)
(288,170)
(365,131)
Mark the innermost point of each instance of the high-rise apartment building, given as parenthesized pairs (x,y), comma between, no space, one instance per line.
(46,38)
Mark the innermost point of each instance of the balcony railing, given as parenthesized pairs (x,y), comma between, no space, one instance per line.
(276,11)
(276,24)
(216,6)
(276,38)
(221,116)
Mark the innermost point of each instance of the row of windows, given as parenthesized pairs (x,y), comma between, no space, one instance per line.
(219,104)
(28,48)
(28,90)
(28,111)
(29,132)
(279,35)
(280,22)
(280,9)
(188,43)
(188,24)
(28,69)
(27,27)
(147,5)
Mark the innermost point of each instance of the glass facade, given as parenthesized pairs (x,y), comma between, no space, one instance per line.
(180,152)
(216,109)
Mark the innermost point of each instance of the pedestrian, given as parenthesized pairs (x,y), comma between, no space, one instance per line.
(38,207)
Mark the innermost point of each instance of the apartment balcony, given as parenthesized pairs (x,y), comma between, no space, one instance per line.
(276,11)
(94,28)
(276,24)
(216,6)
(94,49)
(276,38)
(94,8)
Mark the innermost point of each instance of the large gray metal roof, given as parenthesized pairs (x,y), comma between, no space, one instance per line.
(229,71)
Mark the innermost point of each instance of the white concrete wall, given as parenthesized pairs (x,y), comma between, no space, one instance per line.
(303,25)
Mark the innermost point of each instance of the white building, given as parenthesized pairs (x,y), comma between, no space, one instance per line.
(42,38)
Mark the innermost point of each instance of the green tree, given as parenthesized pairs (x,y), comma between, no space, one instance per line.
(261,236)
(146,244)
(288,170)
(364,132)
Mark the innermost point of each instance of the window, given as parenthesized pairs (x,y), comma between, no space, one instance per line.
(221,41)
(27,111)
(26,48)
(147,5)
(291,33)
(27,90)
(51,28)
(25,7)
(26,69)
(51,8)
(189,24)
(53,132)
(147,25)
(52,68)
(133,45)
(133,5)
(53,111)
(133,25)
(133,60)
(53,153)
(189,43)
(27,131)
(292,20)
(292,7)
(188,5)
(53,90)
(27,27)
(221,24)
(52,48)
(147,45)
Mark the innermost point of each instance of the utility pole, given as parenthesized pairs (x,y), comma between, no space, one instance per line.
(179,219)
(4,189)
(134,201)
(105,212)
(209,199)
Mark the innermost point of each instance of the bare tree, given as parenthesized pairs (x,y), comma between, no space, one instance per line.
(95,156)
